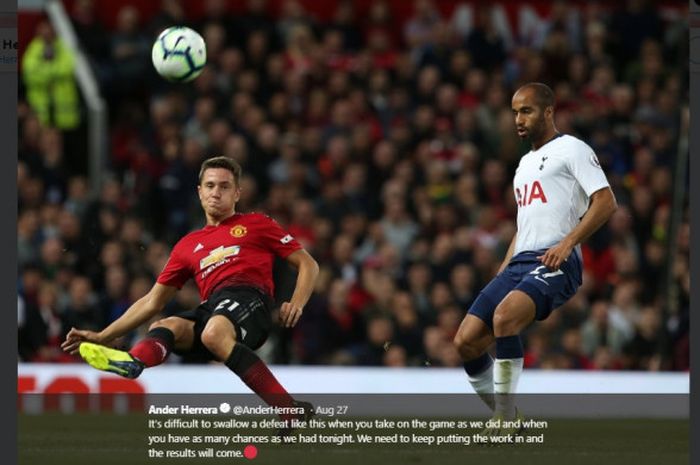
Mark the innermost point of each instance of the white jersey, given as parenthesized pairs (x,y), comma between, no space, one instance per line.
(552,187)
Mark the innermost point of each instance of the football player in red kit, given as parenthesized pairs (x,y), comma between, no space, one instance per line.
(231,262)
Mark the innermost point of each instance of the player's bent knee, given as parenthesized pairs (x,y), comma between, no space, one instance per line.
(513,314)
(462,340)
(467,348)
(210,337)
(459,340)
(503,322)
(509,321)
(218,339)
(470,352)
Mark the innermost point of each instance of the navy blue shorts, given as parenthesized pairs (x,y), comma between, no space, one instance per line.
(548,289)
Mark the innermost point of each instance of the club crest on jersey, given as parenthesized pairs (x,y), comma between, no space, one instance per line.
(529,194)
(239,231)
(219,255)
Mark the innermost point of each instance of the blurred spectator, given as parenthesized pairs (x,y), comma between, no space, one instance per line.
(409,332)
(114,301)
(345,22)
(130,51)
(294,20)
(42,331)
(603,330)
(91,32)
(397,226)
(81,310)
(47,70)
(573,351)
(538,347)
(217,17)
(254,19)
(419,29)
(462,283)
(642,351)
(380,332)
(172,13)
(438,349)
(395,356)
(630,25)
(484,42)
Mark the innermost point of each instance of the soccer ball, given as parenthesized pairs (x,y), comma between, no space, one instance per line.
(179,54)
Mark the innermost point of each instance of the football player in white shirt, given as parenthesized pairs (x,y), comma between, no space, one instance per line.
(563,197)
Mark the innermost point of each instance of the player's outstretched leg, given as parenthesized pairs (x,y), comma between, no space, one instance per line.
(257,376)
(219,337)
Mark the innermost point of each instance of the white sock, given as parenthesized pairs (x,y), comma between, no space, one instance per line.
(483,385)
(506,372)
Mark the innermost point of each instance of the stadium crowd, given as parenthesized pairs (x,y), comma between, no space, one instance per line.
(388,149)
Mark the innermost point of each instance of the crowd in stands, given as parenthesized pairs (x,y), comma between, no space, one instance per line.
(388,149)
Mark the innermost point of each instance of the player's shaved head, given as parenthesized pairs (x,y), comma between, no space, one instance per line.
(542,93)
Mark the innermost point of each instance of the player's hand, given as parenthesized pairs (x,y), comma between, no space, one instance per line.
(555,256)
(77,336)
(290,314)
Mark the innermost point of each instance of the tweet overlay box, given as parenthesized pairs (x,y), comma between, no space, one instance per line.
(350,429)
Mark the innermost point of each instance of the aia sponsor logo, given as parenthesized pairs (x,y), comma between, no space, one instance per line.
(526,194)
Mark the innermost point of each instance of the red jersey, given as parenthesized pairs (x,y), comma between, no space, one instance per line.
(238,252)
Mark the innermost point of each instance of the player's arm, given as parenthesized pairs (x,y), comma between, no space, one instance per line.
(290,312)
(600,209)
(509,253)
(137,314)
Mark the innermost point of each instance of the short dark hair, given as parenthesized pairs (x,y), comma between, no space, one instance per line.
(543,94)
(222,162)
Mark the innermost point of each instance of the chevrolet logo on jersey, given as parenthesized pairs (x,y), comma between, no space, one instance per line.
(219,254)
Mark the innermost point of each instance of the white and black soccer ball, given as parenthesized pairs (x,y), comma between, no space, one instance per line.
(179,54)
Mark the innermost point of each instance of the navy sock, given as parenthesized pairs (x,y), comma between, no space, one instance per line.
(478,365)
(509,347)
